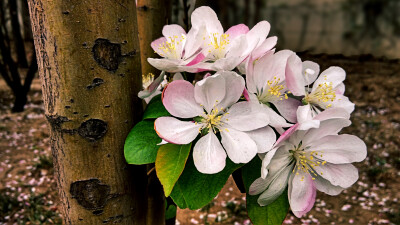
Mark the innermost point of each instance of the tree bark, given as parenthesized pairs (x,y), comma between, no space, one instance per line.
(90,72)
(152,16)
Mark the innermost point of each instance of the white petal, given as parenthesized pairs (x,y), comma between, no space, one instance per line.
(332,113)
(258,186)
(234,84)
(333,74)
(275,119)
(287,108)
(310,72)
(256,36)
(210,91)
(239,146)
(305,118)
(177,76)
(206,16)
(325,186)
(175,131)
(264,138)
(168,65)
(178,99)
(327,127)
(208,155)
(340,149)
(246,116)
(276,188)
(343,175)
(294,78)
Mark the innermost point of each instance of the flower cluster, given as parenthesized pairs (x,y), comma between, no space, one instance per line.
(259,101)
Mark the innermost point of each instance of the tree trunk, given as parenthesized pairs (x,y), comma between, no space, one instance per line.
(91,75)
(152,16)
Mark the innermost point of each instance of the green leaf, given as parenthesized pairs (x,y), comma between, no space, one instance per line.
(194,190)
(141,144)
(170,210)
(271,214)
(170,162)
(155,109)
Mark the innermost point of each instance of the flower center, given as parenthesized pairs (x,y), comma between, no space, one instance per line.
(147,80)
(306,161)
(213,121)
(323,94)
(274,91)
(218,44)
(169,47)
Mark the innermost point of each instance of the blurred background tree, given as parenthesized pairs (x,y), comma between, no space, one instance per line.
(18,64)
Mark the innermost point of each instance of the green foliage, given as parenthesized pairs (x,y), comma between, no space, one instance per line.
(170,162)
(155,109)
(141,144)
(194,190)
(170,210)
(271,214)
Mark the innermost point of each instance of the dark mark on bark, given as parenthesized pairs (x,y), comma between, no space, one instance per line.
(67,106)
(143,8)
(107,55)
(65,12)
(122,20)
(98,212)
(114,219)
(71,100)
(75,113)
(86,115)
(92,129)
(91,194)
(107,106)
(56,122)
(95,83)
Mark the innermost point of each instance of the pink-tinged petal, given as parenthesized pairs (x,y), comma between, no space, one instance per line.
(343,175)
(339,90)
(310,72)
(234,87)
(276,188)
(332,113)
(287,108)
(208,155)
(177,76)
(265,47)
(175,131)
(157,44)
(264,138)
(286,135)
(168,65)
(275,120)
(246,116)
(238,145)
(207,75)
(339,149)
(194,41)
(301,192)
(196,60)
(156,83)
(246,95)
(257,35)
(178,99)
(294,78)
(206,16)
(333,74)
(237,30)
(237,48)
(209,92)
(325,186)
(326,127)
(173,30)
(148,98)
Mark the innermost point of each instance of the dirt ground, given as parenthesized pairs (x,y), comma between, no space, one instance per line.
(28,191)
